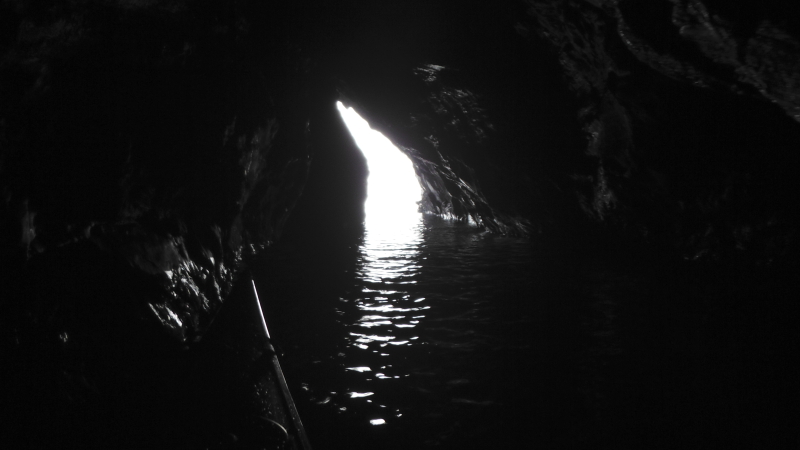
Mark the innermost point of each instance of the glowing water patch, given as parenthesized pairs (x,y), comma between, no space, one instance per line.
(393,191)
(361,394)
(389,263)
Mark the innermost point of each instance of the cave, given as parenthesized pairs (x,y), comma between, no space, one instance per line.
(604,252)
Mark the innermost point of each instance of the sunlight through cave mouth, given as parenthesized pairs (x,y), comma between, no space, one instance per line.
(393,190)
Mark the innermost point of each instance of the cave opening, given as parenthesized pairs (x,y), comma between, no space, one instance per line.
(393,190)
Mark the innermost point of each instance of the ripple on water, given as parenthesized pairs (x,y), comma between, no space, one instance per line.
(418,315)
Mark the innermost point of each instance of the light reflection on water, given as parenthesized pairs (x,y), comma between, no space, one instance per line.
(388,265)
(425,318)
(422,310)
(557,351)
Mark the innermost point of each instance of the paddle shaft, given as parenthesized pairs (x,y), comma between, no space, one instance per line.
(287,396)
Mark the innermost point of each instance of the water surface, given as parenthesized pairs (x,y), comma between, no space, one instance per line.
(439,335)
(408,344)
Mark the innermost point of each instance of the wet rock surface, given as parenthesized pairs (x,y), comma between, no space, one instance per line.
(149,149)
(141,163)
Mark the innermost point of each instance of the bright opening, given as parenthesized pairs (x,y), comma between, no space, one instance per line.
(389,261)
(393,191)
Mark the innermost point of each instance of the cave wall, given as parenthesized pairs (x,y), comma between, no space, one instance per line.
(690,120)
(161,135)
(147,150)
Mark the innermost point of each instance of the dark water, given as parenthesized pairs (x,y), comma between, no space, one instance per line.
(444,336)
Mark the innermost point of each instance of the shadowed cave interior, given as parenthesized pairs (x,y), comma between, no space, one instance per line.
(606,184)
